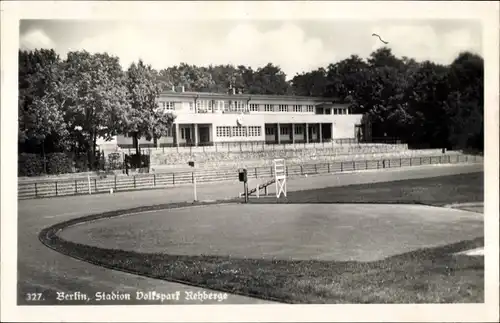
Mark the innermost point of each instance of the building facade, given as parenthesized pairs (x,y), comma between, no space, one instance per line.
(211,118)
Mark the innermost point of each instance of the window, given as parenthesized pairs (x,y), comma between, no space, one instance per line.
(268,108)
(328,111)
(239,131)
(335,111)
(167,106)
(269,131)
(298,130)
(283,108)
(239,106)
(191,105)
(310,108)
(297,108)
(223,131)
(313,130)
(183,133)
(203,106)
(220,105)
(254,131)
(254,107)
(284,131)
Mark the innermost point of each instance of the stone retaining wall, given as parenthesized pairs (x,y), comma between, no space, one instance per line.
(160,158)
(302,159)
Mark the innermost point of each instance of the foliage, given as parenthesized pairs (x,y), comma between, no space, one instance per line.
(115,161)
(144,118)
(59,163)
(65,105)
(39,108)
(29,165)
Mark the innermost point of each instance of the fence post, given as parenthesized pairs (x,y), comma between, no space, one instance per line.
(56,189)
(449,159)
(420,160)
(115,183)
(341,167)
(36,190)
(389,163)
(192,177)
(95,184)
(154,180)
(378,164)
(76,187)
(255,170)
(410,161)
(173,178)
(316,168)
(366,164)
(301,170)
(353,165)
(286,171)
(134,182)
(400,158)
(328,167)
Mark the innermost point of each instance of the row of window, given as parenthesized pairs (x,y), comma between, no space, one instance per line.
(216,105)
(238,131)
(299,130)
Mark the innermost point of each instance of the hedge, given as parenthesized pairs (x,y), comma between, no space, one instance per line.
(29,165)
(59,163)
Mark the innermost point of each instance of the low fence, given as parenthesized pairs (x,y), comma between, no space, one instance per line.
(154,181)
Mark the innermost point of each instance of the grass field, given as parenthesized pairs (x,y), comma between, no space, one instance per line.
(432,275)
(436,191)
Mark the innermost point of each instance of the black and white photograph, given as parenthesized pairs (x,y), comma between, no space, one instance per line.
(253,157)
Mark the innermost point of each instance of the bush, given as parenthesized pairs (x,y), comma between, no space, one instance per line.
(29,165)
(135,162)
(115,161)
(59,163)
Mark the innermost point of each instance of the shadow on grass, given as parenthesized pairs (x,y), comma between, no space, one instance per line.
(431,275)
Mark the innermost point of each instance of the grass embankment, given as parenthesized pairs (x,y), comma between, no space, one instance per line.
(432,275)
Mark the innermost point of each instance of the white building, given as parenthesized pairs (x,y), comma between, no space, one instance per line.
(210,118)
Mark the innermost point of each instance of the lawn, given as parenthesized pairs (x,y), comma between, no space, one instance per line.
(437,191)
(432,275)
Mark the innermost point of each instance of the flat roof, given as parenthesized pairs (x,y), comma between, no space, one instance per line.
(222,96)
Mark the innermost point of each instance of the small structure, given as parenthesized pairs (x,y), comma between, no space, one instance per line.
(280,177)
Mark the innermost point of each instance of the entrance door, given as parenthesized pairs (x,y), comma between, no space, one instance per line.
(204,134)
(187,135)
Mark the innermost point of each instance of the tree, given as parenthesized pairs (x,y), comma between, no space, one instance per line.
(40,114)
(465,103)
(311,83)
(270,79)
(347,80)
(94,96)
(144,118)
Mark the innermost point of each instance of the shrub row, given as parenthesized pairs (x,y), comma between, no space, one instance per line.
(35,165)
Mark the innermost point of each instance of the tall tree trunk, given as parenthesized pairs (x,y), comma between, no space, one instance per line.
(136,143)
(94,140)
(43,157)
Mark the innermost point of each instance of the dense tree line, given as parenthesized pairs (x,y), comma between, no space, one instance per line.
(423,103)
(65,105)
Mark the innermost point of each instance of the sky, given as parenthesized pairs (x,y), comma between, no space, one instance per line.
(296,46)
